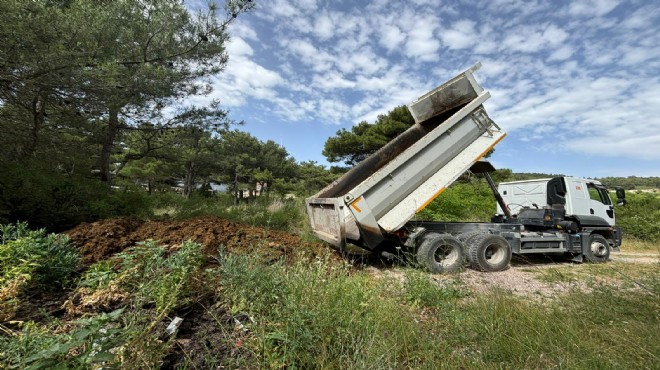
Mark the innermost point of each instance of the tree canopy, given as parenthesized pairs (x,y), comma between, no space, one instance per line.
(107,64)
(351,147)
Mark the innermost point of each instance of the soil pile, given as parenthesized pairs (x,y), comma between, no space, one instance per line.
(101,239)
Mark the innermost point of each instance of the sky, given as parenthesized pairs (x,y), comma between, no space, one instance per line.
(576,85)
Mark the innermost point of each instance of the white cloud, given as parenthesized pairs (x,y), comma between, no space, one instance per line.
(421,43)
(332,80)
(592,7)
(562,53)
(461,35)
(238,47)
(324,27)
(578,75)
(533,39)
(391,37)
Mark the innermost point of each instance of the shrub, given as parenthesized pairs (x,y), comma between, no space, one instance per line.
(640,217)
(57,201)
(472,201)
(47,261)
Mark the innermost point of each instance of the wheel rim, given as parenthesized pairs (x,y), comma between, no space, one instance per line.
(446,255)
(494,254)
(598,249)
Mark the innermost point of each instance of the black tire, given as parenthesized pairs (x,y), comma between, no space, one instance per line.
(488,252)
(599,249)
(440,253)
(465,238)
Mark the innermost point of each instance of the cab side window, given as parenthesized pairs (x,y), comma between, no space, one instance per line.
(599,195)
(594,194)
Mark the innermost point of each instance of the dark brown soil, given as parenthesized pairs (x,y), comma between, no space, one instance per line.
(207,337)
(99,240)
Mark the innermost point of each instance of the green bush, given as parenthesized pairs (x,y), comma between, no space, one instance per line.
(150,273)
(640,217)
(40,347)
(58,201)
(32,258)
(470,202)
(46,259)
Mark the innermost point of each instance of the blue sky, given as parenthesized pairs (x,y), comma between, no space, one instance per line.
(575,84)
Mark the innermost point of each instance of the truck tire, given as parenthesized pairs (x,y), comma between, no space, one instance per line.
(599,249)
(488,252)
(466,237)
(440,253)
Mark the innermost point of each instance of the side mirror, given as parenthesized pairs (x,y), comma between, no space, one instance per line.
(620,197)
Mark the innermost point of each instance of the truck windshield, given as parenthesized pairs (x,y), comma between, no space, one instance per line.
(599,193)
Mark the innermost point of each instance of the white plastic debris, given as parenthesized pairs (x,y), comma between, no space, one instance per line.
(171,328)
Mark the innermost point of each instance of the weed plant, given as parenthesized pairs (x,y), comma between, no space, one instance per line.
(32,258)
(318,315)
(154,281)
(283,214)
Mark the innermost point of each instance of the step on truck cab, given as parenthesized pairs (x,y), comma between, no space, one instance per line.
(372,204)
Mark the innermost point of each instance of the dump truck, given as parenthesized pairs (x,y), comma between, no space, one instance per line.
(371,206)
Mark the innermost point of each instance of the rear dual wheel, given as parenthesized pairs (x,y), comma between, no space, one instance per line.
(440,253)
(488,252)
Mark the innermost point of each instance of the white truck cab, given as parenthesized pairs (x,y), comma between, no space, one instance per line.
(585,200)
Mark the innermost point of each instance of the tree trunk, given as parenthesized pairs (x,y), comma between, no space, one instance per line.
(189,183)
(237,195)
(38,114)
(108,143)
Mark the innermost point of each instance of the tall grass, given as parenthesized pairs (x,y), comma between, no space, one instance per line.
(283,214)
(321,313)
(318,316)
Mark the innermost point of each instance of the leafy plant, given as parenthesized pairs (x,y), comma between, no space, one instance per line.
(32,256)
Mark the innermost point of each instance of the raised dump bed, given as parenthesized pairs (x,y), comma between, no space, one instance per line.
(382,193)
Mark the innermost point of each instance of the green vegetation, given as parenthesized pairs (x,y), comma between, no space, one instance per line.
(631,182)
(640,217)
(32,259)
(319,312)
(94,124)
(471,201)
(144,282)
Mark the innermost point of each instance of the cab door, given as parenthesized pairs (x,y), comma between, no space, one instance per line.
(600,203)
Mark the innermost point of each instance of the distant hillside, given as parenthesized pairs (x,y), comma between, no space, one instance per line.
(632,182)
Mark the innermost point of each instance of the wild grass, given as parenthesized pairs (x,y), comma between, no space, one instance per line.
(314,316)
(637,245)
(283,214)
(321,313)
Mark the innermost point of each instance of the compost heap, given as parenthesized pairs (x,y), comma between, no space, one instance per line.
(99,240)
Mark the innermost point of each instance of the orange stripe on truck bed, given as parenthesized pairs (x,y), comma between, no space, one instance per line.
(431,199)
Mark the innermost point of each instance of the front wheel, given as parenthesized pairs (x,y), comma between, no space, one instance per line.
(440,253)
(488,252)
(599,249)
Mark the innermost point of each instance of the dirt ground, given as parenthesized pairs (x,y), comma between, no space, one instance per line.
(522,277)
(101,239)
